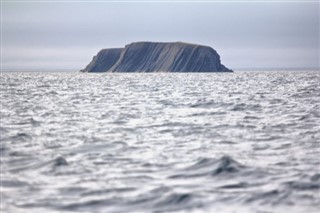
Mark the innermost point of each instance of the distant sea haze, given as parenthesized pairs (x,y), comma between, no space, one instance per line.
(235,69)
(160,142)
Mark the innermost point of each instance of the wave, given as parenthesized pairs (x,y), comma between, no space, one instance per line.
(223,166)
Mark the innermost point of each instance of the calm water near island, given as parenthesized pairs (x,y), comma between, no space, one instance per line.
(160,142)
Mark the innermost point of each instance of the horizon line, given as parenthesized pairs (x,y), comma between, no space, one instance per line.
(234,69)
(160,1)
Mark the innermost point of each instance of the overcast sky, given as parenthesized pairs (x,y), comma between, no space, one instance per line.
(66,35)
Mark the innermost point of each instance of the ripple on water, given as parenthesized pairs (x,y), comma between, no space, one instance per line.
(160,142)
(223,166)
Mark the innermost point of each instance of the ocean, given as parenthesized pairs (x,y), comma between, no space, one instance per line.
(245,142)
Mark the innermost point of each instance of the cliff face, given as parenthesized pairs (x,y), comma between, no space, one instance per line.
(104,60)
(157,57)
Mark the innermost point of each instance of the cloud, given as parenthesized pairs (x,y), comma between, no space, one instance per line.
(35,34)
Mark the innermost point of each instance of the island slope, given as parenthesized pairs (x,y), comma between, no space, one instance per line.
(157,57)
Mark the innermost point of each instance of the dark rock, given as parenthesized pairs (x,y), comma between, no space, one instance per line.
(104,60)
(157,57)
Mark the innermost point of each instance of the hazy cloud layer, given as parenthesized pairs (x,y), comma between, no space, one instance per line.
(67,35)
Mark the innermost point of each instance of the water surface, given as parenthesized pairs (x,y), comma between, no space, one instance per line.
(160,142)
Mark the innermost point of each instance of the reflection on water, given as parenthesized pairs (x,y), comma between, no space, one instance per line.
(219,142)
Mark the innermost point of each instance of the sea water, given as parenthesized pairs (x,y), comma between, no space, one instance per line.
(160,142)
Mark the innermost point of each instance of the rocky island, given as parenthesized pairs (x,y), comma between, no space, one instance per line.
(157,57)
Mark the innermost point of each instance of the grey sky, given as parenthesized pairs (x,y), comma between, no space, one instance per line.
(67,35)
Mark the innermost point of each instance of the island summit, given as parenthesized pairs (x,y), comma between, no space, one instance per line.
(157,57)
